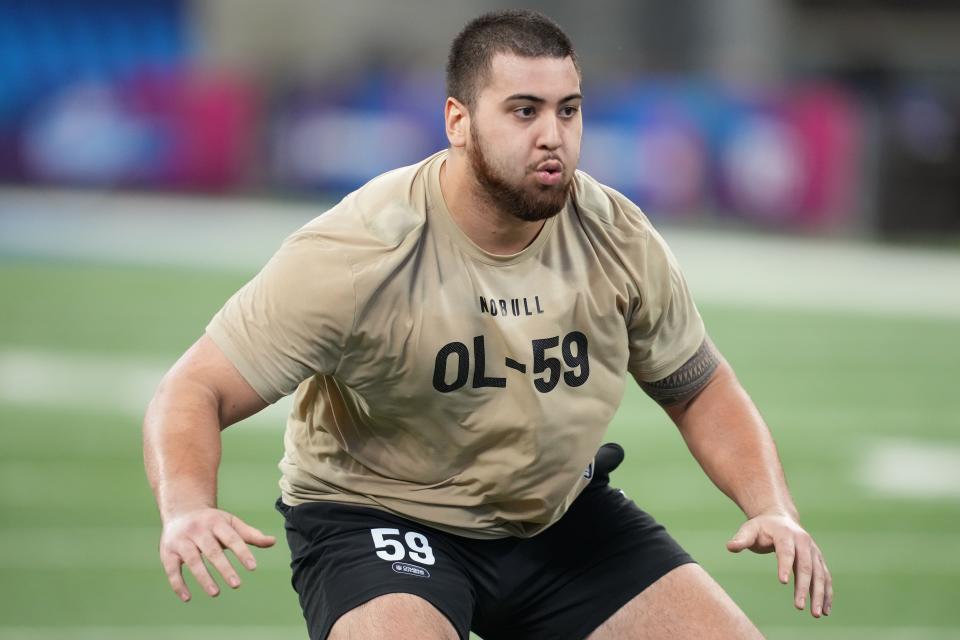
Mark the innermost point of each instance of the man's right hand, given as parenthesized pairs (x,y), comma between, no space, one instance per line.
(206,532)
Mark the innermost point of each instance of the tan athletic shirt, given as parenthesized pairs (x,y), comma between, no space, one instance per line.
(457,388)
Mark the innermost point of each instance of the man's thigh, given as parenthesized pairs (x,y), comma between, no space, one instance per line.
(685,603)
(398,616)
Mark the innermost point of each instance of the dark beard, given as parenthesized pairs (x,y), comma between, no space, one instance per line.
(513,200)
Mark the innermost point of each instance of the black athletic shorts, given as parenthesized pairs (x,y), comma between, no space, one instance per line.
(563,583)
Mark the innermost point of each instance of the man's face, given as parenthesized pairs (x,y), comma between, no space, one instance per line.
(525,130)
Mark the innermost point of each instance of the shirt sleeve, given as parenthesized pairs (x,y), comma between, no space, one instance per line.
(292,320)
(665,329)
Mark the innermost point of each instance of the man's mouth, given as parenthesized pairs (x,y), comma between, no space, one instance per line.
(549,172)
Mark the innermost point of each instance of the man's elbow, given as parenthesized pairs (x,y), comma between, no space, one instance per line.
(178,390)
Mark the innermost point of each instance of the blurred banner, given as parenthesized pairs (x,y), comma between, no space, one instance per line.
(111,94)
(105,94)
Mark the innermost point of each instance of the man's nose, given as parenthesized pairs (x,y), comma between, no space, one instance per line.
(549,133)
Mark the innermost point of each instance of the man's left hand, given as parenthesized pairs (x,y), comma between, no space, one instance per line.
(795,550)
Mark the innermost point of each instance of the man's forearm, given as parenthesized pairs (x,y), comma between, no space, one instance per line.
(726,434)
(181,447)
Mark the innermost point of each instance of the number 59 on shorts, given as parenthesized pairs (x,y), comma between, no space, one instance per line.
(392,549)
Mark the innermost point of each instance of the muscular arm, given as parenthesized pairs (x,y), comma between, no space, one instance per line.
(726,434)
(201,395)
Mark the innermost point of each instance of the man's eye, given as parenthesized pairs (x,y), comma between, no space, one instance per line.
(524,112)
(569,111)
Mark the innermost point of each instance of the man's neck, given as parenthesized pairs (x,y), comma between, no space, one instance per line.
(493,230)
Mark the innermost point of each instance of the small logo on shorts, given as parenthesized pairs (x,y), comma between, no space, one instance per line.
(410,570)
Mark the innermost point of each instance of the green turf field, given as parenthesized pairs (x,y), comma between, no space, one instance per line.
(78,528)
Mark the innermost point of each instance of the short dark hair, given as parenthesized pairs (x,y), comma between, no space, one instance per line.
(518,31)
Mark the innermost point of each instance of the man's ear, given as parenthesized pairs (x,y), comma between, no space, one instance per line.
(457,120)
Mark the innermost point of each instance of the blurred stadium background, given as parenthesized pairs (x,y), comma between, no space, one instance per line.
(802,157)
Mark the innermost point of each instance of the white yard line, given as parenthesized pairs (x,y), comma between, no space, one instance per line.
(77,381)
(94,382)
(912,468)
(239,235)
